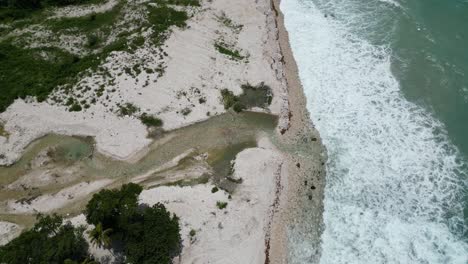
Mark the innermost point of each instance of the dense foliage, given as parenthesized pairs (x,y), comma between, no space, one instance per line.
(148,234)
(49,241)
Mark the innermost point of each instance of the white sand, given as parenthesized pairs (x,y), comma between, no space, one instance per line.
(193,67)
(8,231)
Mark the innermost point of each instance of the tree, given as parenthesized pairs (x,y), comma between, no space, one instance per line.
(99,236)
(49,241)
(112,208)
(147,234)
(154,238)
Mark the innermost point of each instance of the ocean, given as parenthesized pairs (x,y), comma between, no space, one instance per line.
(387,87)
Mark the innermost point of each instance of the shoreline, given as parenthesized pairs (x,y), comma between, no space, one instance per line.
(300,170)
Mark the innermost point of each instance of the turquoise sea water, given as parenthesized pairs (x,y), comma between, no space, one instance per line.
(387,88)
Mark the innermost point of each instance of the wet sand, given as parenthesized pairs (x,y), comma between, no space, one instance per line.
(299,215)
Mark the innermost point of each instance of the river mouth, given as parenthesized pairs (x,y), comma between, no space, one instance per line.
(55,162)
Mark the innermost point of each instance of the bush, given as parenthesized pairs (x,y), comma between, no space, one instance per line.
(150,121)
(75,107)
(128,109)
(229,99)
(92,40)
(214,189)
(221,205)
(47,242)
(238,107)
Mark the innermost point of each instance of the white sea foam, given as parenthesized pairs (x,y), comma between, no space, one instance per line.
(395,185)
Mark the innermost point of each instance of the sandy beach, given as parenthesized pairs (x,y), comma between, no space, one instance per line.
(282,177)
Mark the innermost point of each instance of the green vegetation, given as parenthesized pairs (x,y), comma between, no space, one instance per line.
(221,205)
(147,234)
(150,120)
(100,237)
(184,2)
(162,17)
(214,189)
(223,19)
(38,71)
(192,232)
(128,109)
(11,10)
(49,241)
(252,96)
(223,48)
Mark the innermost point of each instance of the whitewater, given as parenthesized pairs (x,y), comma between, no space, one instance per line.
(396,185)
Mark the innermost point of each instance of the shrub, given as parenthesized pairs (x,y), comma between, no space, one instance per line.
(92,40)
(150,121)
(214,189)
(75,107)
(231,53)
(221,205)
(128,109)
(192,233)
(228,97)
(238,107)
(186,111)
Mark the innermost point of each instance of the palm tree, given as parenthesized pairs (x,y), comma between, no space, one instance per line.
(100,237)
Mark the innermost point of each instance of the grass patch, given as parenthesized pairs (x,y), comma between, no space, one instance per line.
(150,120)
(231,53)
(221,205)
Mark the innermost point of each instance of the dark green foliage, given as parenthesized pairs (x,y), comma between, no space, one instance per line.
(184,2)
(229,99)
(20,9)
(147,234)
(113,208)
(92,40)
(162,17)
(47,242)
(221,205)
(231,53)
(214,189)
(238,107)
(150,121)
(75,107)
(25,72)
(128,109)
(102,21)
(153,237)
